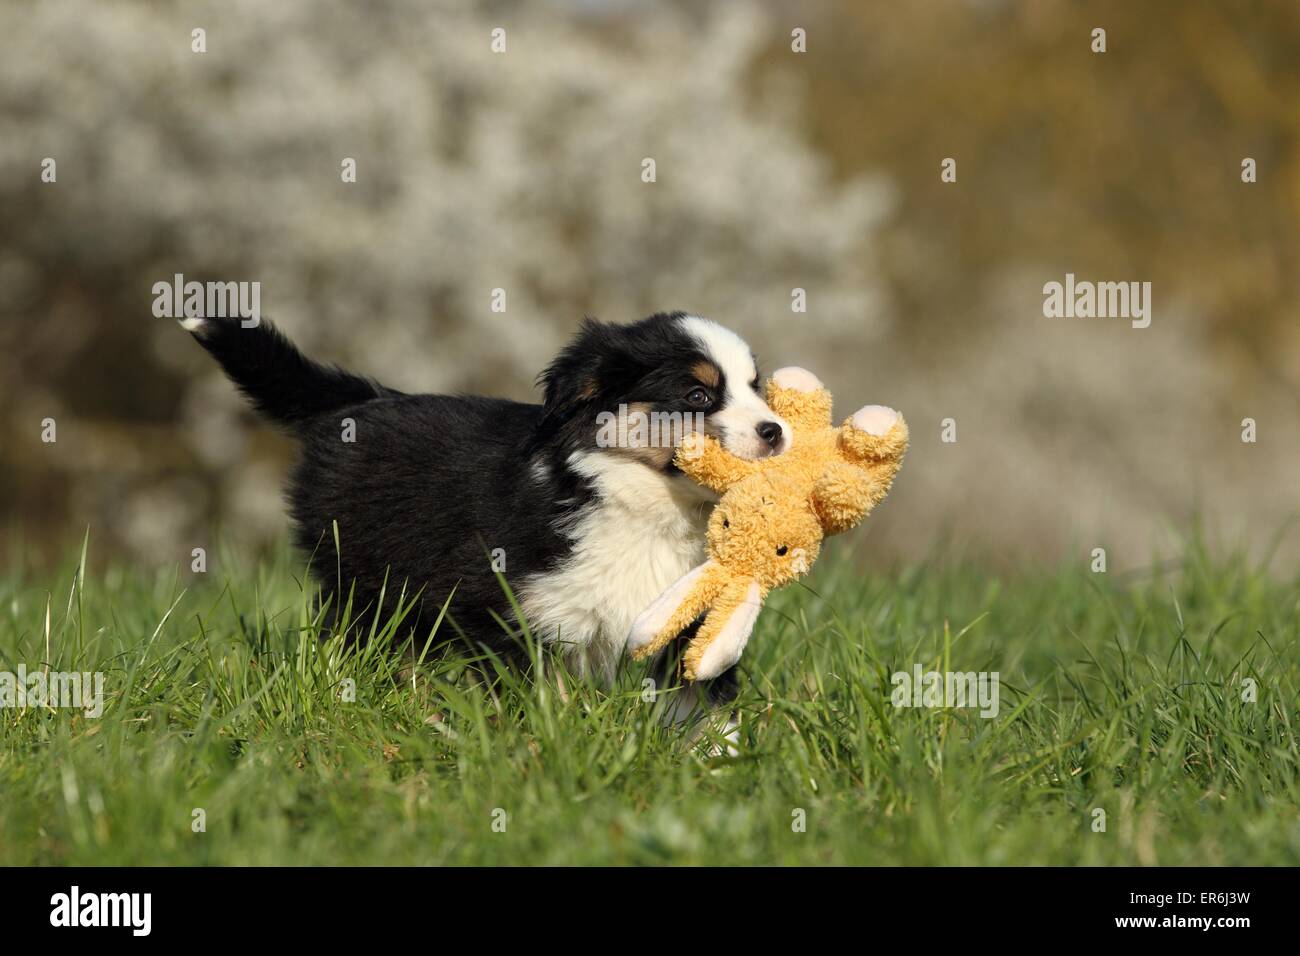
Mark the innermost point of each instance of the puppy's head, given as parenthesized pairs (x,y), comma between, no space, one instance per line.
(642,388)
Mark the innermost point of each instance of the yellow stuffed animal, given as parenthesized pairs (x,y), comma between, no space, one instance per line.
(767,529)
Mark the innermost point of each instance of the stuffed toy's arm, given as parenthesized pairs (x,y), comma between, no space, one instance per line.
(722,637)
(702,459)
(732,603)
(674,610)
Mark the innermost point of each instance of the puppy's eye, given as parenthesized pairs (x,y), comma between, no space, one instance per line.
(698,397)
(781,551)
(726,523)
(754,385)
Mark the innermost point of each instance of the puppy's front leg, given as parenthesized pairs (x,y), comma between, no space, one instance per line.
(707,704)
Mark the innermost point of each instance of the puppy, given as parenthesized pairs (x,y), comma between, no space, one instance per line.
(588,523)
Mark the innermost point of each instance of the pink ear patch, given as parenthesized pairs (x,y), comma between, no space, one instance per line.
(875,419)
(796,378)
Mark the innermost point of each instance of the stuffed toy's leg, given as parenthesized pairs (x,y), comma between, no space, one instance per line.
(845,494)
(674,610)
(874,434)
(873,443)
(724,633)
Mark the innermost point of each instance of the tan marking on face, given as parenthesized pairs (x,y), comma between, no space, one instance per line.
(706,373)
(634,431)
(641,439)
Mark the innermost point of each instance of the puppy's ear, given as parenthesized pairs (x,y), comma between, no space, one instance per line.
(593,373)
(572,379)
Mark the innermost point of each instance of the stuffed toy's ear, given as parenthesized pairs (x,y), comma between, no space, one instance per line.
(725,632)
(674,610)
(798,396)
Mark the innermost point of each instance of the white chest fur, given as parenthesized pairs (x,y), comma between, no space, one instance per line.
(644,532)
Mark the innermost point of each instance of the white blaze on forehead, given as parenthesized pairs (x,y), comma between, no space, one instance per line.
(731,353)
(743,410)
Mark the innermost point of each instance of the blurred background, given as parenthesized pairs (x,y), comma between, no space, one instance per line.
(776,170)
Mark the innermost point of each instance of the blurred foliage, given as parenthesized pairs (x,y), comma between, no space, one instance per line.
(775,170)
(1120,164)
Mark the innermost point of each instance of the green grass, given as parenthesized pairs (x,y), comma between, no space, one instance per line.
(1119,692)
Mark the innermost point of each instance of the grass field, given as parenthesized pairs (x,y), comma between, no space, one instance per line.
(1119,692)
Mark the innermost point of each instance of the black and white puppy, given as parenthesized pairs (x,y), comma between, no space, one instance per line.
(429,487)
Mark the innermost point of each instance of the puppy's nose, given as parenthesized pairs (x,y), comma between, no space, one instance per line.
(770,432)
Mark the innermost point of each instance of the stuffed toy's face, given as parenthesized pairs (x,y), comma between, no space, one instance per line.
(765,528)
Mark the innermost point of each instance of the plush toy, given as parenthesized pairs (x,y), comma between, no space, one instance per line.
(767,529)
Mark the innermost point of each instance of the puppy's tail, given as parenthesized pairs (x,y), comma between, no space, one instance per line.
(282,383)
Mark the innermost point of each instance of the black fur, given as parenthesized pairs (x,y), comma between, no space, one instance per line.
(433,483)
(281,382)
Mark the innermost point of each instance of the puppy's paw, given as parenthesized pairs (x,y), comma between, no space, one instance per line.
(724,742)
